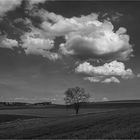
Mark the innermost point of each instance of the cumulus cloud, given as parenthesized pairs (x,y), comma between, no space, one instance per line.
(94,79)
(98,42)
(111,69)
(85,37)
(34,43)
(8,43)
(7,5)
(102,79)
(61,26)
(111,80)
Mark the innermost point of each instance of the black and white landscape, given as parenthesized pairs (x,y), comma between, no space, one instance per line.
(69,69)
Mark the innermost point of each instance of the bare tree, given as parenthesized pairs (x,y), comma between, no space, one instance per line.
(73,96)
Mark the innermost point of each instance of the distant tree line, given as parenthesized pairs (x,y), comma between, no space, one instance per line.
(12,104)
(23,104)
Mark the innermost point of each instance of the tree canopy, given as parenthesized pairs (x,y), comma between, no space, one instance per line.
(76,96)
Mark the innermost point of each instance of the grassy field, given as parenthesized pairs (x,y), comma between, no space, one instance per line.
(64,124)
(50,112)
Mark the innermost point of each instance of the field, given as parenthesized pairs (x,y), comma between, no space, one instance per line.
(59,123)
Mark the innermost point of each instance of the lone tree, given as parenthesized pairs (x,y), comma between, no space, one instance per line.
(74,96)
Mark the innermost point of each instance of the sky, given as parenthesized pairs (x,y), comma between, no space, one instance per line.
(49,46)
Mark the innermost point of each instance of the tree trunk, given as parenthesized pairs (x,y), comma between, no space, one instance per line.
(67,107)
(76,106)
(77,109)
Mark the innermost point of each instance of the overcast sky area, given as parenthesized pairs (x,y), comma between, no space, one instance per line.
(49,46)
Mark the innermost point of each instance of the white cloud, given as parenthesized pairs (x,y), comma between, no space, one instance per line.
(102,79)
(37,44)
(8,43)
(111,80)
(105,73)
(60,26)
(98,42)
(7,5)
(34,45)
(87,37)
(93,79)
(108,69)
